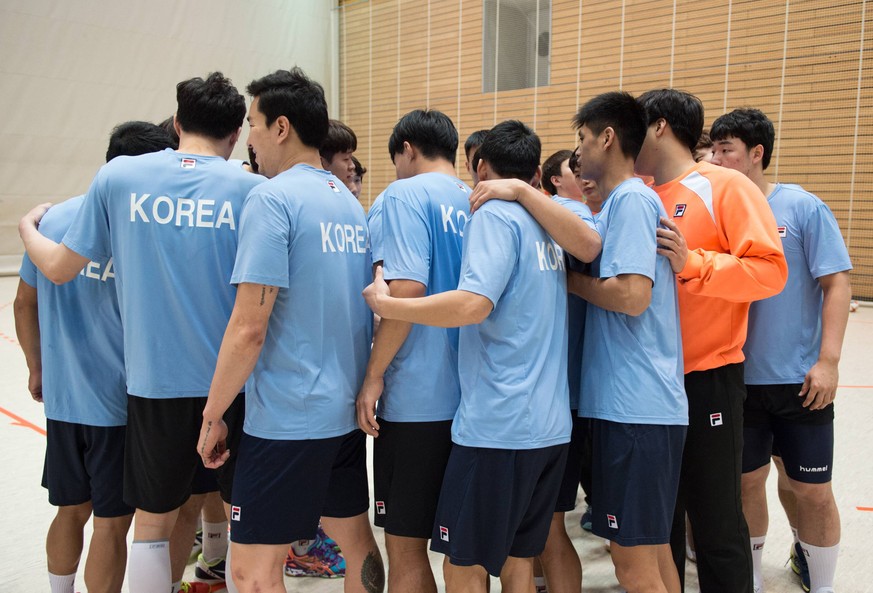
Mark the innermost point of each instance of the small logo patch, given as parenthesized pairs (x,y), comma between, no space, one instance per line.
(782,230)
(758,547)
(444,533)
(680,211)
(380,507)
(235,513)
(715,419)
(332,186)
(189,163)
(612,521)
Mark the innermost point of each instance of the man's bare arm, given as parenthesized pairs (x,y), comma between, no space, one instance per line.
(27,331)
(56,261)
(626,293)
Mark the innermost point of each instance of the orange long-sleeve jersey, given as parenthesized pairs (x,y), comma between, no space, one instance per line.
(735,257)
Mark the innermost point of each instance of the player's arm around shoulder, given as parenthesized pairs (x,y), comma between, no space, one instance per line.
(753,266)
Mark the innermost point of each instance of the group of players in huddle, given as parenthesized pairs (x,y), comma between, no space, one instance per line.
(513,326)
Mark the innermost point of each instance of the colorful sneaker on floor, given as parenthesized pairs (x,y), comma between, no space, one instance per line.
(194,587)
(209,572)
(585,521)
(322,559)
(197,547)
(798,563)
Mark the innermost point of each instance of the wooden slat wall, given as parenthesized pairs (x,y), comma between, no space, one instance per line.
(806,63)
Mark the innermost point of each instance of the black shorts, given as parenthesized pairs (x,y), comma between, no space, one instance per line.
(161,457)
(85,463)
(775,423)
(635,481)
(409,461)
(497,503)
(283,488)
(575,460)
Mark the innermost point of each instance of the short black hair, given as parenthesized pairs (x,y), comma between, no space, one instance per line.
(430,131)
(293,94)
(621,112)
(573,163)
(169,126)
(683,111)
(134,138)
(552,166)
(360,170)
(749,125)
(211,107)
(474,140)
(340,138)
(512,150)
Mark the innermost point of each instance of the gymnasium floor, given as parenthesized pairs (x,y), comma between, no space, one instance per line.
(27,514)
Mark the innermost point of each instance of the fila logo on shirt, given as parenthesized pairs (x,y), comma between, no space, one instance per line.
(444,533)
(453,221)
(332,186)
(715,419)
(549,256)
(188,163)
(380,507)
(235,513)
(612,521)
(679,212)
(782,230)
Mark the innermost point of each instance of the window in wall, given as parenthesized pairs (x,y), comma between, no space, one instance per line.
(516,44)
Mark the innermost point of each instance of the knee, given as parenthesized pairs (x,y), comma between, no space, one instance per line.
(813,495)
(75,515)
(754,482)
(634,580)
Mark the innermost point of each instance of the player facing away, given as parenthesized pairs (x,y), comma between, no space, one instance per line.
(792,379)
(72,340)
(723,245)
(299,338)
(169,221)
(413,369)
(512,426)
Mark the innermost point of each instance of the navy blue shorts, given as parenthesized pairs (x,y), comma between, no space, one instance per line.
(409,461)
(497,503)
(282,488)
(775,423)
(635,481)
(85,463)
(573,470)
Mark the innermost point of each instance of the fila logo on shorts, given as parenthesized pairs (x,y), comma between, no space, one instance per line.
(444,533)
(189,163)
(612,521)
(715,419)
(380,507)
(680,211)
(235,513)
(332,186)
(782,230)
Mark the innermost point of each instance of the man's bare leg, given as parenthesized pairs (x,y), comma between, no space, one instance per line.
(464,579)
(107,554)
(365,572)
(409,566)
(560,560)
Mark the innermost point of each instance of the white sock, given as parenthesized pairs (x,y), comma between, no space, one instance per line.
(757,556)
(62,583)
(794,534)
(540,585)
(148,567)
(214,541)
(822,566)
(228,577)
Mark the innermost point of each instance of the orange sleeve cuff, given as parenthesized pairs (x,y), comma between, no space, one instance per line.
(693,265)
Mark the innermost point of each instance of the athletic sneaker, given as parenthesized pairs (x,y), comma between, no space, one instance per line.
(322,559)
(194,587)
(209,572)
(585,521)
(797,559)
(197,547)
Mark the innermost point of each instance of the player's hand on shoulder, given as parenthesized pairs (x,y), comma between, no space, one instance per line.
(672,245)
(495,189)
(32,218)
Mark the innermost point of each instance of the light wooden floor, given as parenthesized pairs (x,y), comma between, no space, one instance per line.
(25,513)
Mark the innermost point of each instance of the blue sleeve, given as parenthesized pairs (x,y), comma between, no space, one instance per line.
(264,242)
(579,209)
(405,241)
(89,234)
(374,227)
(631,237)
(823,243)
(27,271)
(491,249)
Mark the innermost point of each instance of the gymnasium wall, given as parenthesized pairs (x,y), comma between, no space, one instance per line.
(70,70)
(807,64)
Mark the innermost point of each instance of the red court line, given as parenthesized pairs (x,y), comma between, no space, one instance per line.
(855,386)
(19,421)
(864,508)
(9,339)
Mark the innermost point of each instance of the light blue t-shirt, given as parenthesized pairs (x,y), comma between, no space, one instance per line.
(374,224)
(632,370)
(576,307)
(423,220)
(513,365)
(169,220)
(81,339)
(304,232)
(784,336)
